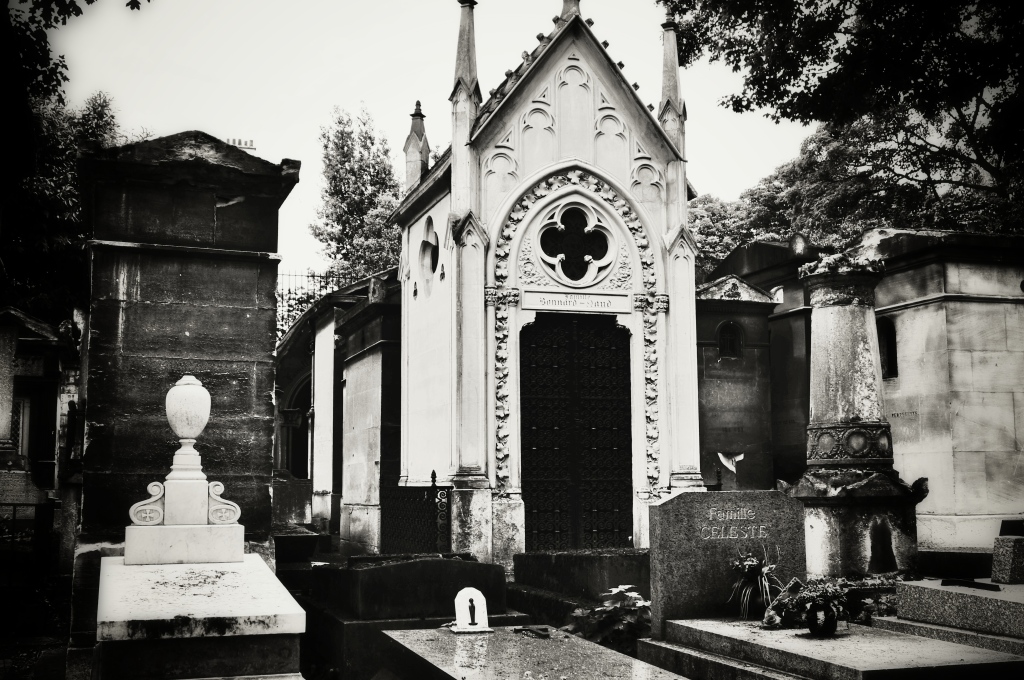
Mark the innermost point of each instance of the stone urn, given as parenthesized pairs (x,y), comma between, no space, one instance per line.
(188,411)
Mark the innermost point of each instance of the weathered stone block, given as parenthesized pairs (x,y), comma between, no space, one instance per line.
(997,613)
(420,587)
(695,537)
(182,331)
(249,224)
(998,371)
(1008,559)
(983,278)
(909,284)
(982,421)
(587,574)
(975,326)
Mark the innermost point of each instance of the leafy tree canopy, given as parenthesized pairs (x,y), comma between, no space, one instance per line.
(41,234)
(359,194)
(927,91)
(831,194)
(42,254)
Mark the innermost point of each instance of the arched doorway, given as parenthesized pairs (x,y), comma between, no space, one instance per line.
(577,469)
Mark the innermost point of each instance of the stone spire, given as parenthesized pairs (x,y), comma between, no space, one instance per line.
(417,150)
(465,55)
(569,8)
(670,73)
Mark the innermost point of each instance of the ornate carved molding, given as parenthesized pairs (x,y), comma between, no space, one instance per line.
(643,302)
(661,304)
(490,296)
(848,442)
(529,274)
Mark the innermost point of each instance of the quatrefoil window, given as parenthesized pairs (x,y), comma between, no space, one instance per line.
(575,247)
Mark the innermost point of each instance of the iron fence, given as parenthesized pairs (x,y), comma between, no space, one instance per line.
(415,519)
(296,291)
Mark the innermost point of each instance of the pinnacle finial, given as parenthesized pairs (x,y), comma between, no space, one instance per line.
(418,113)
(569,8)
(465,55)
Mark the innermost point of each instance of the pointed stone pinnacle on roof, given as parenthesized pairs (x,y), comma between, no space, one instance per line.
(418,113)
(569,8)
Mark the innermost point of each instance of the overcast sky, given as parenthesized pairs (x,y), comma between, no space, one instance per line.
(272,71)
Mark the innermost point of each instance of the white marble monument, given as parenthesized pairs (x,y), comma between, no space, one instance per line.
(471,612)
(184,573)
(185,520)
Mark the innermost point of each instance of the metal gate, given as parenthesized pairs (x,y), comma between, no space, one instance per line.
(577,471)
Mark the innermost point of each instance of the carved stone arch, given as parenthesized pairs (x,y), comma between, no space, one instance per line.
(647,184)
(565,76)
(644,304)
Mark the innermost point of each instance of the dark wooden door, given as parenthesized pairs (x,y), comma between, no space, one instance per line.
(577,471)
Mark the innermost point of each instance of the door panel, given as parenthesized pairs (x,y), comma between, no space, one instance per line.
(576,434)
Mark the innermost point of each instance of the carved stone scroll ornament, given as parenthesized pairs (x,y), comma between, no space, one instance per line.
(648,280)
(222,511)
(150,511)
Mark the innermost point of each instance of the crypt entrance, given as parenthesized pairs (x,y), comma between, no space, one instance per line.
(576,441)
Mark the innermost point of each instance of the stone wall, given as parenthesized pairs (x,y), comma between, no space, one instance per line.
(957,403)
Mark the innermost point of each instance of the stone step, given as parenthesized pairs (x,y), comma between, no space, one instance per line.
(983,611)
(854,653)
(998,643)
(693,663)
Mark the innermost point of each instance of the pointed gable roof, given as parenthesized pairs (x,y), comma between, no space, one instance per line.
(530,65)
(732,287)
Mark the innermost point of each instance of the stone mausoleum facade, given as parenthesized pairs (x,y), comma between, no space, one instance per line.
(547,302)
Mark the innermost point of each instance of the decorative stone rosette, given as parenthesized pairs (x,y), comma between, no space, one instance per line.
(648,302)
(849,444)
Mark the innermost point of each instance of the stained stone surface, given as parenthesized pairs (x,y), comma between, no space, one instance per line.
(1008,560)
(998,613)
(504,655)
(156,601)
(855,653)
(695,537)
(997,643)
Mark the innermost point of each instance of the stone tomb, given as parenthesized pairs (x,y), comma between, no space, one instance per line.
(695,537)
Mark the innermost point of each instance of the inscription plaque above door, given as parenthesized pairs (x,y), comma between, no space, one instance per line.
(558,301)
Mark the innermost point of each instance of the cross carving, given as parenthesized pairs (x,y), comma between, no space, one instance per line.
(573,245)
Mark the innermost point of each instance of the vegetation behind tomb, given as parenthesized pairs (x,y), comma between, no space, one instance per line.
(360,192)
(42,257)
(918,108)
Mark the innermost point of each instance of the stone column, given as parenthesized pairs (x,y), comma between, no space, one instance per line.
(681,370)
(9,457)
(321,453)
(859,515)
(471,496)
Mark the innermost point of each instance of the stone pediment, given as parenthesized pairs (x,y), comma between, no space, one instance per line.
(571,41)
(732,288)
